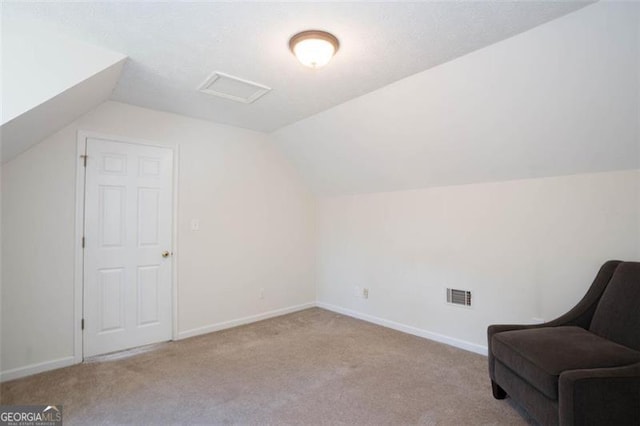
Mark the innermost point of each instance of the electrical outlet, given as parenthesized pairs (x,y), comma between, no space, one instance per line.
(365,293)
(195,224)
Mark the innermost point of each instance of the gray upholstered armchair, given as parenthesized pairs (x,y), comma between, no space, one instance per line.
(582,368)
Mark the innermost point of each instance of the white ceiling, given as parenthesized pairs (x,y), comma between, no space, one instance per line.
(173,47)
(563,98)
(36,104)
(32,126)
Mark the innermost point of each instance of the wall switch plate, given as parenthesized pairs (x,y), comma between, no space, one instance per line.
(195,224)
(261,296)
(365,293)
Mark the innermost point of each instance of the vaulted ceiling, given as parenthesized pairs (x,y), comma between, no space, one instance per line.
(563,98)
(48,80)
(173,47)
(420,94)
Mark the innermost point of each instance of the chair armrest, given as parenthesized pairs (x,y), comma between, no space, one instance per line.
(580,315)
(600,396)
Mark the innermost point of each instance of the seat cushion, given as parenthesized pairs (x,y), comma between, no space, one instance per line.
(539,355)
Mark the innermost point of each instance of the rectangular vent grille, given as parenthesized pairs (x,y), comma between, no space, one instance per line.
(459,297)
(234,88)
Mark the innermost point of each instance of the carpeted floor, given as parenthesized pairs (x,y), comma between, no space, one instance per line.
(310,367)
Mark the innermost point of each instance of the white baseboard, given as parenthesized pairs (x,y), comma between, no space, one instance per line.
(28,370)
(242,321)
(451,341)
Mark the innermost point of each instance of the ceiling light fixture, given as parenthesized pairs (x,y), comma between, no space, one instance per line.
(314,48)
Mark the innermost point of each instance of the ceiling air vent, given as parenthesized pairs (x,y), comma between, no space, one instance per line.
(459,297)
(234,88)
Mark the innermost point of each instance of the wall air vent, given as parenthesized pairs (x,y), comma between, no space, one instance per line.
(234,88)
(459,297)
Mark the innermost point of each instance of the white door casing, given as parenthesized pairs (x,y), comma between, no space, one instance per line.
(127,229)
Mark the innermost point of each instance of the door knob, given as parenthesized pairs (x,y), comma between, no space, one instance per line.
(166,253)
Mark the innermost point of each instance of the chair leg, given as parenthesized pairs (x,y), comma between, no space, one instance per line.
(498,392)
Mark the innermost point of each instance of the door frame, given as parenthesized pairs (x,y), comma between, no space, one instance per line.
(78,280)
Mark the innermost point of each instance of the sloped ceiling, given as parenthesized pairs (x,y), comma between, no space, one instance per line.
(48,81)
(174,46)
(31,127)
(562,98)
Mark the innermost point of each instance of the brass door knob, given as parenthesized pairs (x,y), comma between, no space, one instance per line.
(166,253)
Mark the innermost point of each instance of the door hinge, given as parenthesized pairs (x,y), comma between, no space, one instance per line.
(84,159)
(82,242)
(82,324)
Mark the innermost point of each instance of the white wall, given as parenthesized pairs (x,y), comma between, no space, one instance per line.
(0,263)
(559,99)
(526,248)
(257,229)
(562,99)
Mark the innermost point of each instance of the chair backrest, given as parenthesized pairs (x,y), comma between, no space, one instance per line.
(617,316)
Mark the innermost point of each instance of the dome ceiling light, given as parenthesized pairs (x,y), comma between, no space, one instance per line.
(314,48)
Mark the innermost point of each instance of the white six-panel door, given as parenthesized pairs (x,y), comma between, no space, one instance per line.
(127,254)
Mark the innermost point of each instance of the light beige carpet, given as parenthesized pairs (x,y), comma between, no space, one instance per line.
(310,367)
